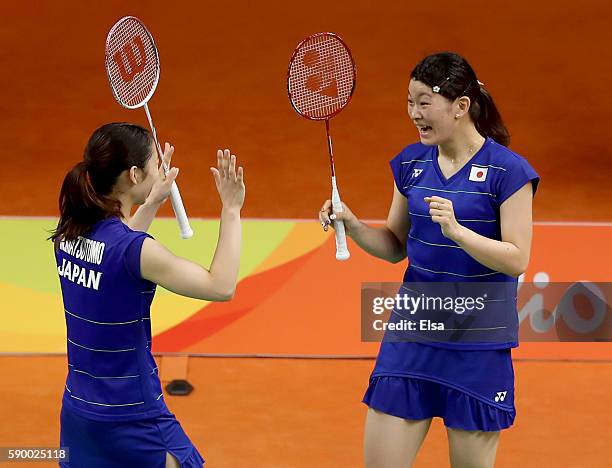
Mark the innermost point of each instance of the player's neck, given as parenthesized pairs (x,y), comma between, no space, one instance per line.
(126,205)
(462,146)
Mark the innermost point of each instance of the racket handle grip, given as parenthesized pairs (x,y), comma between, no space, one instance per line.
(342,252)
(179,211)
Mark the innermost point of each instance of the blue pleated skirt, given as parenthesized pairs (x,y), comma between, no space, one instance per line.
(410,398)
(469,390)
(142,443)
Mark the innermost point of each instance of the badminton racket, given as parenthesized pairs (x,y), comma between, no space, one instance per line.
(132,65)
(320,83)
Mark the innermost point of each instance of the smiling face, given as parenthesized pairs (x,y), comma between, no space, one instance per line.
(433,114)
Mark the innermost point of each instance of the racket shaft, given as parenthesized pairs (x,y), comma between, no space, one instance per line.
(175,195)
(342,252)
(179,211)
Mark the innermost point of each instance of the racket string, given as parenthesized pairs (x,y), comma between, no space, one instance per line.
(124,44)
(322,62)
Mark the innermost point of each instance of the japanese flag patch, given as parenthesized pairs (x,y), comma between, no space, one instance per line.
(478,174)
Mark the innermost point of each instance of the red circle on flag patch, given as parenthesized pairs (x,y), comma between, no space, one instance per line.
(479,174)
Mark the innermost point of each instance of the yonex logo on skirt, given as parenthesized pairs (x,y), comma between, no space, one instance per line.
(501,396)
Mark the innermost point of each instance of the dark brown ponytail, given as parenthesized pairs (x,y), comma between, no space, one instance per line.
(487,118)
(85,197)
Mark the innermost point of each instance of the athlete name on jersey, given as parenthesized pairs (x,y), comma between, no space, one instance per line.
(79,275)
(478,174)
(88,250)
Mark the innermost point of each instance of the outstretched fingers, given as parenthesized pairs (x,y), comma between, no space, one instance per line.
(226,168)
(232,168)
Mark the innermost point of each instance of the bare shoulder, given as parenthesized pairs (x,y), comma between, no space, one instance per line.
(153,258)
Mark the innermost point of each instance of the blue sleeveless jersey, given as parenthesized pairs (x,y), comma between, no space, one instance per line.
(477,191)
(112,375)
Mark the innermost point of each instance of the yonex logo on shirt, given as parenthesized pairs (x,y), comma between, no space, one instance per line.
(417,172)
(501,396)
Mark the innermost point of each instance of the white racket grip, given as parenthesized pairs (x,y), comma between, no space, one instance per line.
(342,252)
(179,211)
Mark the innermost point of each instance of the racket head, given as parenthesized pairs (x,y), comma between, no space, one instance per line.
(321,77)
(132,62)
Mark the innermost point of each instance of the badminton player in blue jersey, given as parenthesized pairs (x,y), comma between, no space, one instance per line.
(461,212)
(113,410)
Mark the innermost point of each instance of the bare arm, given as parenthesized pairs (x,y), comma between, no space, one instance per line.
(187,278)
(143,217)
(511,254)
(387,242)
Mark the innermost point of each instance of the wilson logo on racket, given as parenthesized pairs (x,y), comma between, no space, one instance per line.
(316,82)
(130,50)
(136,65)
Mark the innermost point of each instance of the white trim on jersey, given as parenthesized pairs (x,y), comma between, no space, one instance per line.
(451,273)
(101,323)
(417,160)
(431,243)
(105,404)
(449,191)
(491,166)
(101,404)
(477,220)
(101,350)
(99,377)
(462,220)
